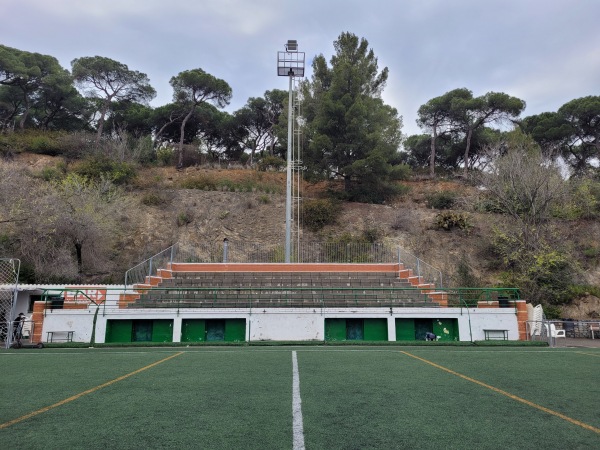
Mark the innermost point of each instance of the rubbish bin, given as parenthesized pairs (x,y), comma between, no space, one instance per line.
(503,302)
(569,327)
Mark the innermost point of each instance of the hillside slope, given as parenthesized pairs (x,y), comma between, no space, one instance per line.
(250,209)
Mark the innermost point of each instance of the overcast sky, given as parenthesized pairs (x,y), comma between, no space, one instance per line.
(545,52)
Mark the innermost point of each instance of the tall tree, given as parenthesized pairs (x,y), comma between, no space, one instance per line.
(259,117)
(110,81)
(470,113)
(193,87)
(573,132)
(583,118)
(352,133)
(436,116)
(28,74)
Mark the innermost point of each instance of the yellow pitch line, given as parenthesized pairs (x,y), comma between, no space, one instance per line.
(508,394)
(81,394)
(597,355)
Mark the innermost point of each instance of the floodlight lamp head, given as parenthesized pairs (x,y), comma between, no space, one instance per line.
(291,46)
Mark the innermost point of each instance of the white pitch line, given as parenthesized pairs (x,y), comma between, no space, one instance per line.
(298,427)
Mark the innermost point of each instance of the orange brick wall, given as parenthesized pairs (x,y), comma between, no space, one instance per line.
(522,319)
(276,267)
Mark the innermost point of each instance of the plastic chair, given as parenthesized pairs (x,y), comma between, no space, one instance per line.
(557,333)
(594,328)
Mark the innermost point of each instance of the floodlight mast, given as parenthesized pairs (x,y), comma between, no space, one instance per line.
(289,64)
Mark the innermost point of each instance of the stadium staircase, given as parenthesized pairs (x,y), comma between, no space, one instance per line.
(268,285)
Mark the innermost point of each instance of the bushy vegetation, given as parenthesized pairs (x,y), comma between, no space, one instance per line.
(207,182)
(449,220)
(100,167)
(317,213)
(441,200)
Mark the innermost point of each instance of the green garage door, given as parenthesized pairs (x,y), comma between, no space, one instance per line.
(213,330)
(193,330)
(375,330)
(446,329)
(356,330)
(335,329)
(160,330)
(235,330)
(118,331)
(405,329)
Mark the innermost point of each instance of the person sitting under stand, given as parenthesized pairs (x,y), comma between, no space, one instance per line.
(429,336)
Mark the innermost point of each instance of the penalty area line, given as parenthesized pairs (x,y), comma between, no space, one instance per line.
(508,394)
(81,394)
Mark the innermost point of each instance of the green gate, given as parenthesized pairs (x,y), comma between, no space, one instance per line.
(158,330)
(356,329)
(446,329)
(213,330)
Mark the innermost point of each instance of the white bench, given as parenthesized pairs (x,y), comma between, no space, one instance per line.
(492,335)
(63,336)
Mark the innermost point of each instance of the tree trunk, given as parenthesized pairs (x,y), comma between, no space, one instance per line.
(432,156)
(467,149)
(180,159)
(24,116)
(103,111)
(79,260)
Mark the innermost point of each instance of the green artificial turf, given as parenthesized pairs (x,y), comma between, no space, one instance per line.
(352,397)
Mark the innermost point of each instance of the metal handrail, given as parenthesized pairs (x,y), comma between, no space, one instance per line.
(149,267)
(311,252)
(420,268)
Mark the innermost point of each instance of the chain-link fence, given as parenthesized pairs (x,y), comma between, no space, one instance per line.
(563,332)
(9,279)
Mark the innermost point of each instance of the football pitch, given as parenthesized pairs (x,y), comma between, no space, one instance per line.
(300,397)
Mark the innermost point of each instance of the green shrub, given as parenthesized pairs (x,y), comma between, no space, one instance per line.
(316,213)
(184,218)
(591,252)
(201,182)
(401,172)
(152,199)
(271,162)
(53,173)
(44,145)
(584,201)
(441,200)
(33,141)
(489,205)
(264,199)
(99,167)
(448,220)
(583,290)
(165,156)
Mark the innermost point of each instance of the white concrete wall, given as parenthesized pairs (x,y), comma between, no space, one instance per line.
(276,324)
(79,321)
(297,324)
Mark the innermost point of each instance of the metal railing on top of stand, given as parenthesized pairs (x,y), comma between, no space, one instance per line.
(312,252)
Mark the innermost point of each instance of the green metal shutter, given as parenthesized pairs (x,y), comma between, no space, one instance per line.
(446,329)
(193,330)
(375,329)
(142,331)
(118,331)
(355,330)
(215,330)
(405,329)
(335,329)
(235,330)
(422,326)
(162,331)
